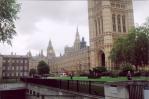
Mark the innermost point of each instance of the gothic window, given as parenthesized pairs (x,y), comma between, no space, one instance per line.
(21,68)
(119,23)
(113,4)
(99,25)
(8,68)
(118,5)
(4,68)
(13,68)
(96,27)
(124,23)
(3,74)
(17,74)
(114,22)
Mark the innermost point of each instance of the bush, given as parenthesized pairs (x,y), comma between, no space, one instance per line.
(141,73)
(114,74)
(145,73)
(125,68)
(137,73)
(100,69)
(84,74)
(108,73)
(97,72)
(94,76)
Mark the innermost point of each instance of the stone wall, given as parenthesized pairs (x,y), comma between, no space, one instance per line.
(119,92)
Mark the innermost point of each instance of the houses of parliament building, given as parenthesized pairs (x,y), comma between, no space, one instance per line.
(108,20)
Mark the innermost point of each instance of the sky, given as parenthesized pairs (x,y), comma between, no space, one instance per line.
(41,21)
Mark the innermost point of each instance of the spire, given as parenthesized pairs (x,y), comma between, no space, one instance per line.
(77,40)
(41,53)
(77,35)
(29,54)
(50,44)
(77,30)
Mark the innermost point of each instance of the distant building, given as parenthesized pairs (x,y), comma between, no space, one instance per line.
(34,60)
(108,20)
(75,59)
(14,66)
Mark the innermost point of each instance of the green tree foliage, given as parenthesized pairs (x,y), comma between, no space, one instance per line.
(32,72)
(8,14)
(42,68)
(127,67)
(134,48)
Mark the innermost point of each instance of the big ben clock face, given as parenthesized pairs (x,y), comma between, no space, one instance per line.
(50,51)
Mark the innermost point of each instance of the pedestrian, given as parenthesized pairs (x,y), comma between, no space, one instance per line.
(71,76)
(129,76)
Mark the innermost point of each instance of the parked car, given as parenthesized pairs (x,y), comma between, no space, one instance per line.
(63,74)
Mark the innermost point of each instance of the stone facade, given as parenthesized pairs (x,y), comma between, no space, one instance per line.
(14,66)
(75,59)
(34,60)
(108,19)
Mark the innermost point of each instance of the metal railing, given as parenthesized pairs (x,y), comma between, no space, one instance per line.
(85,87)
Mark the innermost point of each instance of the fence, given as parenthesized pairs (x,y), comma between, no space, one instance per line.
(86,87)
(136,89)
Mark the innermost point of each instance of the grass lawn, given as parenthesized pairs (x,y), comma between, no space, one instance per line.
(102,79)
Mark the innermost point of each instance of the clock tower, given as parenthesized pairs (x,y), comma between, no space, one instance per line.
(50,51)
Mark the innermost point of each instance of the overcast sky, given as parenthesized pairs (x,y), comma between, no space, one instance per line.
(41,21)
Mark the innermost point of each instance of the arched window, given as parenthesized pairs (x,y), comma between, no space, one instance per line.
(99,30)
(101,25)
(124,23)
(96,27)
(119,23)
(114,22)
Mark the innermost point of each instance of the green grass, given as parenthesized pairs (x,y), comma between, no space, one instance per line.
(102,79)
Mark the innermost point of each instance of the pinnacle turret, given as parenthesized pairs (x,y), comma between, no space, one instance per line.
(29,54)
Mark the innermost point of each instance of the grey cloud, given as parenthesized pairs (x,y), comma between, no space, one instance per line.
(72,12)
(65,15)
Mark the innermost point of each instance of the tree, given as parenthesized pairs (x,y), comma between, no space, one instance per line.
(42,68)
(134,48)
(8,14)
(32,72)
(117,53)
